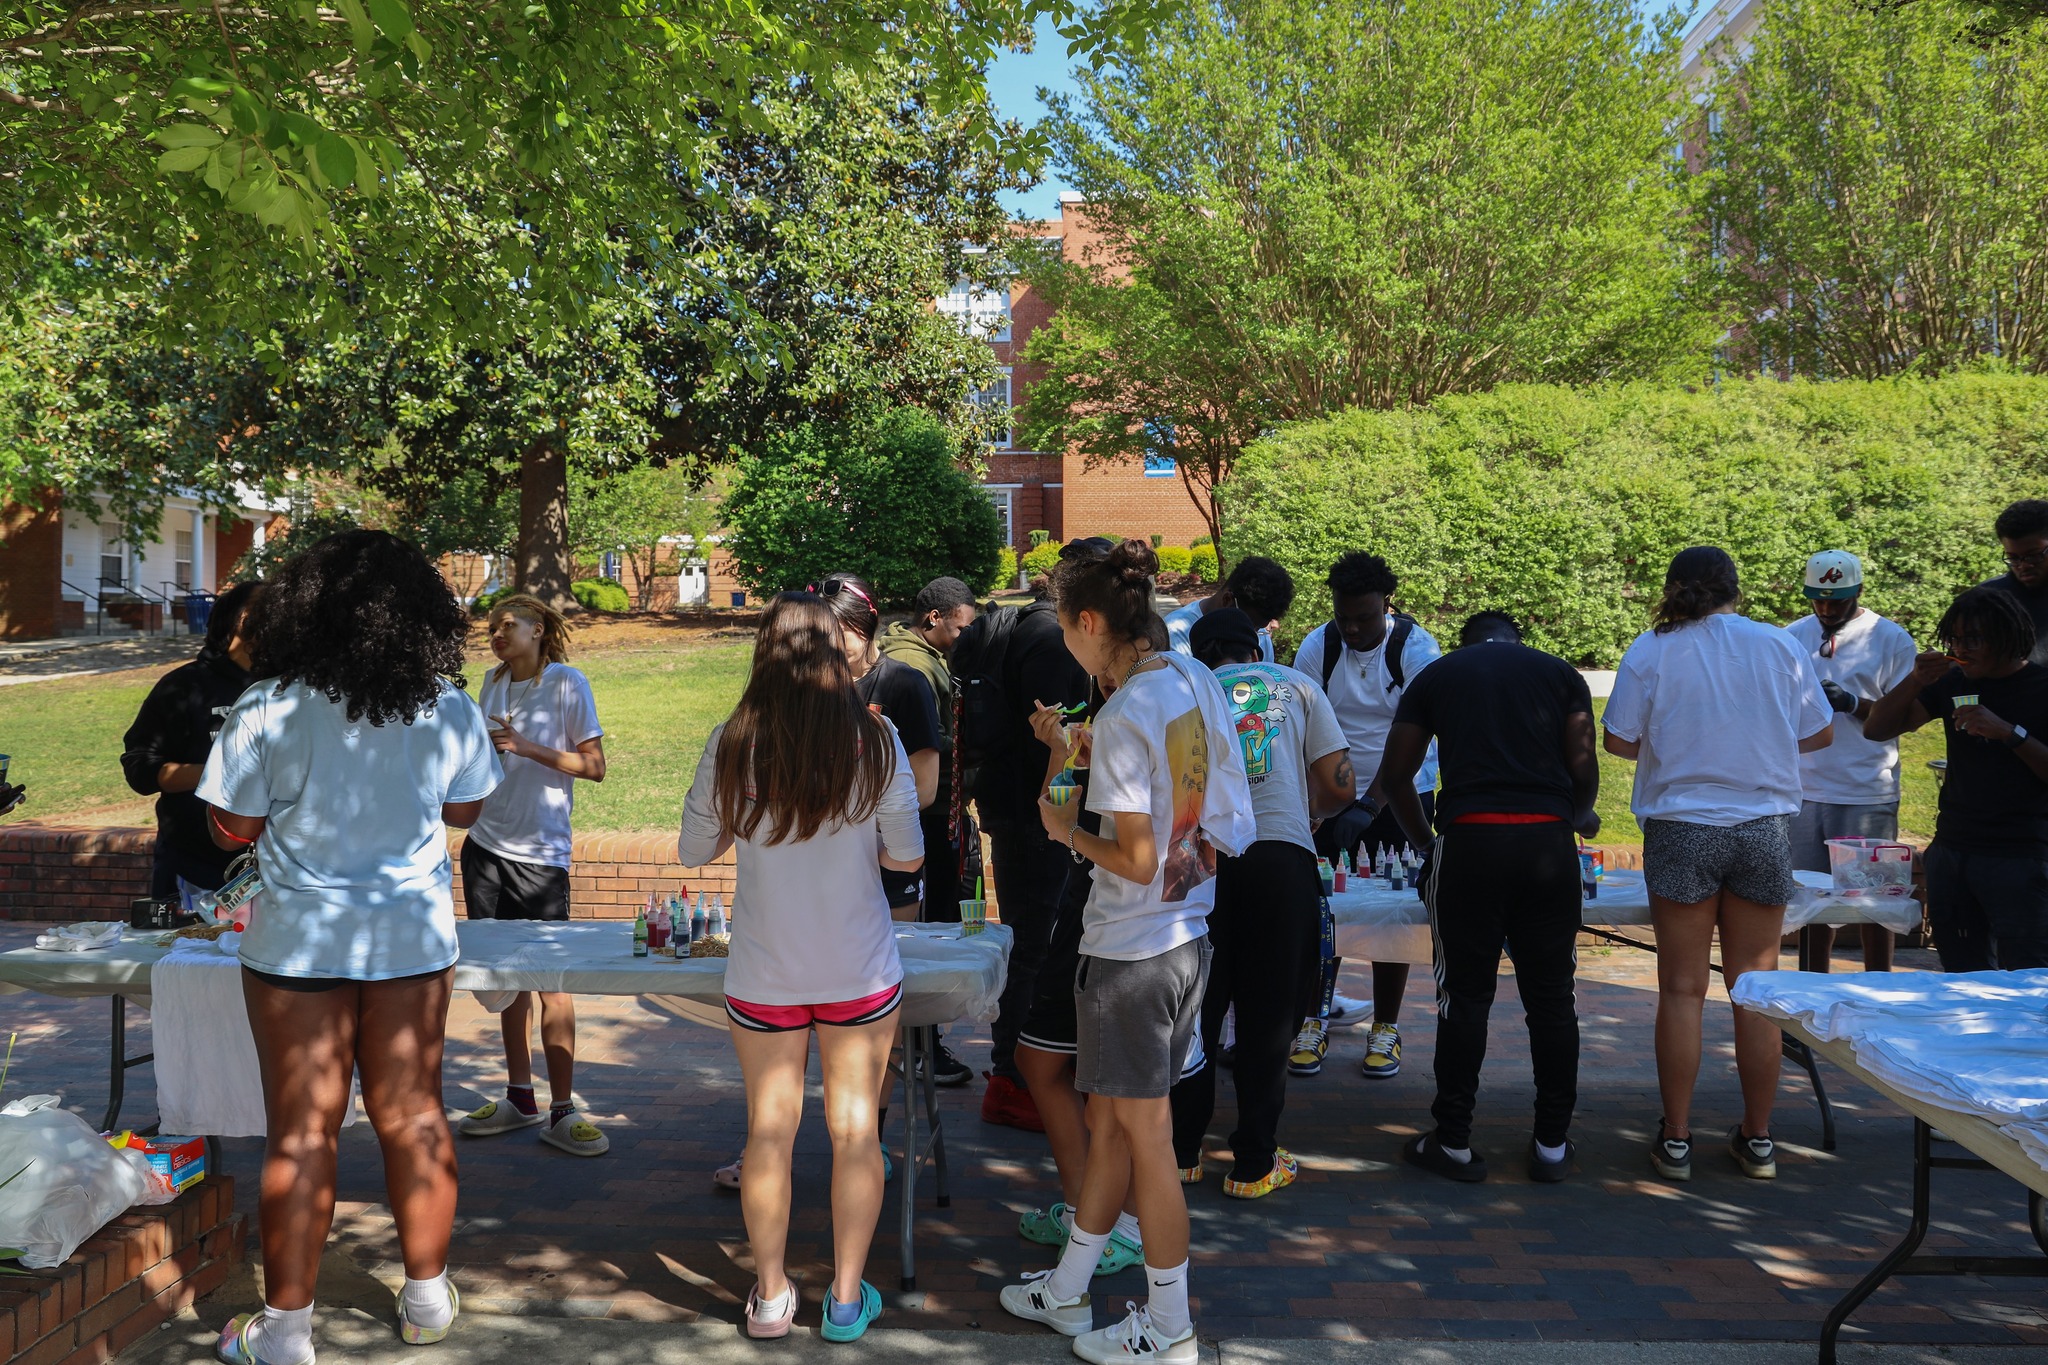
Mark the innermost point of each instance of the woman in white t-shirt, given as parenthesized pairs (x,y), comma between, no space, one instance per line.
(803,778)
(342,765)
(515,862)
(1715,709)
(1164,760)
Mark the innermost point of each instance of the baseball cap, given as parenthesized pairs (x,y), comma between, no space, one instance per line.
(1833,574)
(1088,547)
(1227,626)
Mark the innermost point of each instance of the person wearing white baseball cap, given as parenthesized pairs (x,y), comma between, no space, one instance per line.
(1850,789)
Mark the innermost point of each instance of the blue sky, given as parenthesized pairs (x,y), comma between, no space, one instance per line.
(1014,79)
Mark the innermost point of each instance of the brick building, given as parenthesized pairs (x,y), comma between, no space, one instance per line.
(60,566)
(1054,491)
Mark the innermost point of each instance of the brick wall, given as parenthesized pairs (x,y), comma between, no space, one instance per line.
(31,566)
(126,1280)
(231,540)
(57,873)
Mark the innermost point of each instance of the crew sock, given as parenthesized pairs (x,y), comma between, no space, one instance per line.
(1552,1153)
(428,1303)
(1127,1228)
(560,1110)
(522,1099)
(1077,1264)
(1067,1219)
(1168,1304)
(283,1335)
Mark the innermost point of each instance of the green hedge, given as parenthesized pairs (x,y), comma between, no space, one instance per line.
(601,594)
(1039,559)
(1203,563)
(1565,506)
(1006,571)
(1174,558)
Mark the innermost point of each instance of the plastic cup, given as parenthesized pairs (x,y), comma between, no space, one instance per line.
(1062,793)
(1967,699)
(973,916)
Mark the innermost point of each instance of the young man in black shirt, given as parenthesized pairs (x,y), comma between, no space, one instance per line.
(2022,531)
(166,748)
(1520,764)
(1987,870)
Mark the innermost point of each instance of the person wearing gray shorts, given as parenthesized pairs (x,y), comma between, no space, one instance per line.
(1715,711)
(1134,1020)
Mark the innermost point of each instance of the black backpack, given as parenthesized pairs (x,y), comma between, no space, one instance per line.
(987,719)
(1397,644)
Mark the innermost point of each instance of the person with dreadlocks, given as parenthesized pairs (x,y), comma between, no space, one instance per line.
(343,765)
(1987,870)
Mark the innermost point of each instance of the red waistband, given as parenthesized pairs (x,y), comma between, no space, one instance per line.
(1503,818)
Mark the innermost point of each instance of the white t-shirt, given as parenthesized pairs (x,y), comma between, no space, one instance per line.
(1363,694)
(354,855)
(1719,706)
(1181,621)
(1284,724)
(1150,756)
(1872,656)
(810,923)
(527,817)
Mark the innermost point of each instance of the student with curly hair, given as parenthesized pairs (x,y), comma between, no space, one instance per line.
(1987,893)
(342,765)
(804,782)
(1715,710)
(515,862)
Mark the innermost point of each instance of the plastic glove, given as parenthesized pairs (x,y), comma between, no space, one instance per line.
(1839,697)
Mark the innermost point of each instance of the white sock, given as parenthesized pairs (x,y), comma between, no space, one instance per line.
(1168,1304)
(428,1303)
(1067,1218)
(1127,1228)
(1077,1264)
(1461,1155)
(1552,1153)
(283,1335)
(767,1309)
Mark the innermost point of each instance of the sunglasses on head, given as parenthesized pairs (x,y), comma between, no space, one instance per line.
(836,586)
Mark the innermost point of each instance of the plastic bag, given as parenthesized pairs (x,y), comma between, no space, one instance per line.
(66,1185)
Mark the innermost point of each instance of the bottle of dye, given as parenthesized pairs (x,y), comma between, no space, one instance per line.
(700,921)
(640,933)
(716,924)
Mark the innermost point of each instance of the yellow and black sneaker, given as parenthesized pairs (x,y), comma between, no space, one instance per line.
(1311,1045)
(1382,1053)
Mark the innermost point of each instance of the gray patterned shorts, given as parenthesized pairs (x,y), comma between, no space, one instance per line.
(1687,863)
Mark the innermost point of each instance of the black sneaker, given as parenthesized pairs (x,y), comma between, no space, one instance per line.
(948,1069)
(1546,1172)
(1429,1154)
(1757,1156)
(1671,1156)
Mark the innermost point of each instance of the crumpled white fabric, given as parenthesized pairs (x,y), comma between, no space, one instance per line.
(80,938)
(207,1078)
(1227,819)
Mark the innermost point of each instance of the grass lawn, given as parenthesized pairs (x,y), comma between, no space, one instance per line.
(658,696)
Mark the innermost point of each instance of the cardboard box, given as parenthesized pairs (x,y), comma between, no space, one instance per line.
(179,1162)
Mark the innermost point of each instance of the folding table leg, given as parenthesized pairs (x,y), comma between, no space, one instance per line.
(907,1190)
(1802,1056)
(933,1119)
(117,1070)
(1915,1231)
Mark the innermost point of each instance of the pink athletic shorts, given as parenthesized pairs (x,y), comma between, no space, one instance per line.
(791,1018)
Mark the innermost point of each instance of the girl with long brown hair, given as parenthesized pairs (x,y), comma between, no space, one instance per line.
(802,779)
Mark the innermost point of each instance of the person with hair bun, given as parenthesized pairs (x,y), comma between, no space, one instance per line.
(516,860)
(343,765)
(1167,776)
(1715,710)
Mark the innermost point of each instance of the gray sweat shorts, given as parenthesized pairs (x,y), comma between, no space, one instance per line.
(1687,863)
(1134,1021)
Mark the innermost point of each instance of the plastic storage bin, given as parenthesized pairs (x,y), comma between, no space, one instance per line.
(1878,866)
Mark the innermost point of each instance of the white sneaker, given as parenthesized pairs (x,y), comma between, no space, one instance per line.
(1345,1012)
(498,1116)
(1135,1338)
(1033,1301)
(576,1135)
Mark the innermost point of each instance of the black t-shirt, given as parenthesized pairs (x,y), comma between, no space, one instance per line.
(2035,600)
(1990,798)
(1498,713)
(1036,668)
(905,699)
(177,724)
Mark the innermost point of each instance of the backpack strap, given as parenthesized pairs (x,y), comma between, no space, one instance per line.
(1397,644)
(1333,650)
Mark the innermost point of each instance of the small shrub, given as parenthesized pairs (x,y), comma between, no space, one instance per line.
(1006,570)
(1039,538)
(601,594)
(484,601)
(1199,541)
(1203,564)
(1040,559)
(1157,540)
(1174,559)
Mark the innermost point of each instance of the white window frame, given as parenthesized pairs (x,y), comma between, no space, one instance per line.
(113,550)
(1003,497)
(182,545)
(979,311)
(1000,392)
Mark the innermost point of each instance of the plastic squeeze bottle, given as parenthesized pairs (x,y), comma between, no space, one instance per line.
(715,923)
(640,933)
(700,922)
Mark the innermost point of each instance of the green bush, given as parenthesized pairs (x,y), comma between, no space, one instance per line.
(482,603)
(1174,558)
(1199,541)
(1565,506)
(1006,571)
(1039,538)
(601,594)
(1203,564)
(1039,559)
(883,499)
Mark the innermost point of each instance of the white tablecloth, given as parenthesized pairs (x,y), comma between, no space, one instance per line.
(1974,1042)
(1380,925)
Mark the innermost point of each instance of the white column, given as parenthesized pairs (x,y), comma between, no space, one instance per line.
(202,553)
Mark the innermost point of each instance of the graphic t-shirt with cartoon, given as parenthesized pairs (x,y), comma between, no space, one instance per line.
(1284,724)
(1150,756)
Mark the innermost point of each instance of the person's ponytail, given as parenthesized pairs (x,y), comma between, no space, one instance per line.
(1699,583)
(1117,587)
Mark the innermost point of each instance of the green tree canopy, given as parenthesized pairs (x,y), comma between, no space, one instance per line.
(1307,207)
(1875,192)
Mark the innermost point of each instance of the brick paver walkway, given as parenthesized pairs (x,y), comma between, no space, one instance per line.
(1361,1247)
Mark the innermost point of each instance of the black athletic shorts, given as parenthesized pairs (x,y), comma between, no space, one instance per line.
(313,985)
(902,888)
(1051,1024)
(496,887)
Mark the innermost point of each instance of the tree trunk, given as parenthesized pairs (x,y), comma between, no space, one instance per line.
(542,564)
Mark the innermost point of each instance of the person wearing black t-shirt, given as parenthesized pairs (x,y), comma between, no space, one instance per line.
(1520,763)
(165,749)
(2022,531)
(1987,870)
